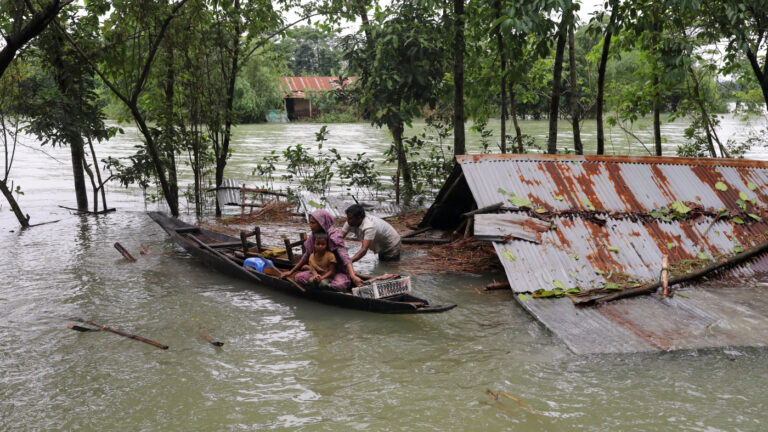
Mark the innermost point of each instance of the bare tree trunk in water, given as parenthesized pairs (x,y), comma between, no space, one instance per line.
(23,220)
(78,170)
(402,165)
(657,28)
(459,146)
(601,78)
(513,114)
(98,175)
(502,63)
(577,146)
(557,74)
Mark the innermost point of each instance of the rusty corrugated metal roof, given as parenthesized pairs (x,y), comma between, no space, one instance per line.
(604,214)
(294,87)
(599,207)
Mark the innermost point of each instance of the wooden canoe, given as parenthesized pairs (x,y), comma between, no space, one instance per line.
(223,260)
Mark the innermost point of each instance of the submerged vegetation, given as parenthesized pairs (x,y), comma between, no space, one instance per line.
(185,72)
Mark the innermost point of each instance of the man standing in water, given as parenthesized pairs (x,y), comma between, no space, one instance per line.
(375,234)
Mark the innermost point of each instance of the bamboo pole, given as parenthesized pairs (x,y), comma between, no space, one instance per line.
(665,276)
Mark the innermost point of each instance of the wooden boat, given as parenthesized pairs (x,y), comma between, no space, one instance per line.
(217,250)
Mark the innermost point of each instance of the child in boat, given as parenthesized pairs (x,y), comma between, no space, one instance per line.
(322,263)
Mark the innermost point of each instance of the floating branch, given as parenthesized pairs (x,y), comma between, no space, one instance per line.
(115,331)
(125,252)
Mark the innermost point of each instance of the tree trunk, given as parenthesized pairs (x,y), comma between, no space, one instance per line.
(21,35)
(601,79)
(78,156)
(95,188)
(502,63)
(98,175)
(221,159)
(557,73)
(705,118)
(23,220)
(657,28)
(577,146)
(513,114)
(459,146)
(168,184)
(762,78)
(402,163)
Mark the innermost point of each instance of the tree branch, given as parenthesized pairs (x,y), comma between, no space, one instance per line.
(269,36)
(153,50)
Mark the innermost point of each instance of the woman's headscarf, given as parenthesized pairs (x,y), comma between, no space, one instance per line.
(335,237)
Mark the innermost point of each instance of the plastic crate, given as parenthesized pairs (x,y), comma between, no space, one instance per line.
(384,288)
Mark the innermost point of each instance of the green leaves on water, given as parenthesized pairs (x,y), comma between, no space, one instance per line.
(523,297)
(721,186)
(702,255)
(508,255)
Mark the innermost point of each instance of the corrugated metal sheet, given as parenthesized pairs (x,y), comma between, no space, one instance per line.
(622,190)
(708,316)
(337,205)
(600,209)
(294,87)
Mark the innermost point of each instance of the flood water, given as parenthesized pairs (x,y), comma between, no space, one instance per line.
(291,364)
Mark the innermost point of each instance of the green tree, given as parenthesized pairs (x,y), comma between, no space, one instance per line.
(20,22)
(406,69)
(131,34)
(311,51)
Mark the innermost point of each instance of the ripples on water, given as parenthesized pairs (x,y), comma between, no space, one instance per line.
(291,364)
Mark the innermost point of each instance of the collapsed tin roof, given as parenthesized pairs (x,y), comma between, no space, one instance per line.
(581,221)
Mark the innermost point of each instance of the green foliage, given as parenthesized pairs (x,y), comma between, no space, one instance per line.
(313,171)
(360,176)
(310,51)
(407,64)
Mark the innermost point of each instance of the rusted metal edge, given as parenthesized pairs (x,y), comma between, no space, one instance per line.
(666,160)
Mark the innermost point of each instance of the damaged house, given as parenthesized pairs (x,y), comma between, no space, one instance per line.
(572,228)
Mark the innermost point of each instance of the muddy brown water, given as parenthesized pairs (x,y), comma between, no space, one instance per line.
(290,364)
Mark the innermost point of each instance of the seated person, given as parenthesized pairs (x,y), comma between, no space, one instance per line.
(321,222)
(374,233)
(322,263)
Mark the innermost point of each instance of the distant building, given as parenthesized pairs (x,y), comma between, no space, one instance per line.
(297,93)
